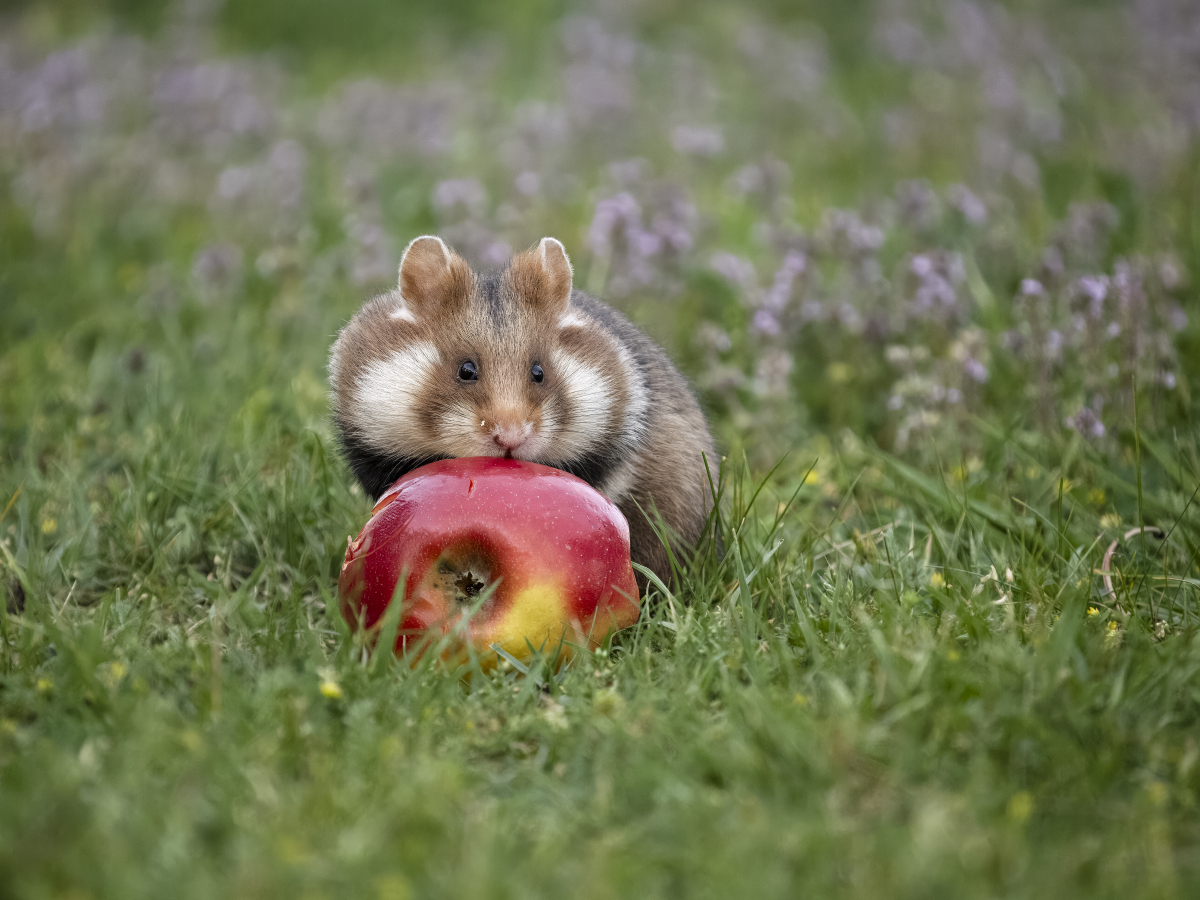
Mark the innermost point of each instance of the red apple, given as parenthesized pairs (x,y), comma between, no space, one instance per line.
(556,550)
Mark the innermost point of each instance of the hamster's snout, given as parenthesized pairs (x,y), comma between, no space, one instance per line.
(509,437)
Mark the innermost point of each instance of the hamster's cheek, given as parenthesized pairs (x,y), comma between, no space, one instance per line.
(461,430)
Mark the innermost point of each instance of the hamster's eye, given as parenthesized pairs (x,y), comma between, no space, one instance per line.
(537,374)
(468,372)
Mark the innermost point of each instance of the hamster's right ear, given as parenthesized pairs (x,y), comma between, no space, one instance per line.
(432,277)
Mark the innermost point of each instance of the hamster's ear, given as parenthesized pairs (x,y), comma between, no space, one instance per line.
(432,277)
(542,276)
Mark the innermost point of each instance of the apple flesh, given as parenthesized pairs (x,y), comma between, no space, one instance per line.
(553,551)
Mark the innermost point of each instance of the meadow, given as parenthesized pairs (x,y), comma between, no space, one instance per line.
(929,267)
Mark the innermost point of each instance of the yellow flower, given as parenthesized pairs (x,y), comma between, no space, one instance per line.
(1092,611)
(45,685)
(1110,520)
(112,673)
(1112,627)
(49,526)
(840,372)
(1157,792)
(812,477)
(1020,807)
(390,747)
(393,887)
(329,686)
(290,850)
(936,580)
(1096,496)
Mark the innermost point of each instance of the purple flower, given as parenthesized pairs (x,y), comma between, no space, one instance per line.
(235,182)
(1054,344)
(765,323)
(1170,274)
(217,267)
(467,193)
(628,173)
(613,217)
(936,280)
(967,203)
(372,260)
(528,183)
(1087,423)
(975,369)
(780,292)
(1095,289)
(917,205)
(600,77)
(764,179)
(697,141)
(846,234)
(737,270)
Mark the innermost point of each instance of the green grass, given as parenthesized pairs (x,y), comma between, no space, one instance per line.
(842,720)
(904,678)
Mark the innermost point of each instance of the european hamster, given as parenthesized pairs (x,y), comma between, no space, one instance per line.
(517,363)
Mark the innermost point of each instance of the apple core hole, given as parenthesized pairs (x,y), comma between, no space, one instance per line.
(468,585)
(462,579)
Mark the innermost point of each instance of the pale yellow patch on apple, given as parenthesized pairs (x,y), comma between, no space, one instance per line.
(537,616)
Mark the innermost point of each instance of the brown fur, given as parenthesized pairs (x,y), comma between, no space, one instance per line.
(432,282)
(611,407)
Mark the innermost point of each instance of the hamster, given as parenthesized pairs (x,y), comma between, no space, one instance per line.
(517,363)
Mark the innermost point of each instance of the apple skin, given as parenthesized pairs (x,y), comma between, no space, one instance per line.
(559,549)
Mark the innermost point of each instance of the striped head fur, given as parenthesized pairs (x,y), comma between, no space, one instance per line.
(512,363)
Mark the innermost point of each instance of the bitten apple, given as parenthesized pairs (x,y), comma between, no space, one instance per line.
(554,551)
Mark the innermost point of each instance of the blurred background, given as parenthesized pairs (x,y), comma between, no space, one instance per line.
(943,252)
(879,218)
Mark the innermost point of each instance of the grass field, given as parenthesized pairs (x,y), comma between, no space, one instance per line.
(931,268)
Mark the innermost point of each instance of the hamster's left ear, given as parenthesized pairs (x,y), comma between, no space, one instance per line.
(542,276)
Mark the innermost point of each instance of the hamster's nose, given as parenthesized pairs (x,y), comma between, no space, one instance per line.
(509,438)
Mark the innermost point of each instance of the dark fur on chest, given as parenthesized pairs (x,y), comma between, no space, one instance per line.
(377,471)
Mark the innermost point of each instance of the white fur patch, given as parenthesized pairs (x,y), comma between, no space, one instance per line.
(457,433)
(589,397)
(335,370)
(639,397)
(403,314)
(385,398)
(572,319)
